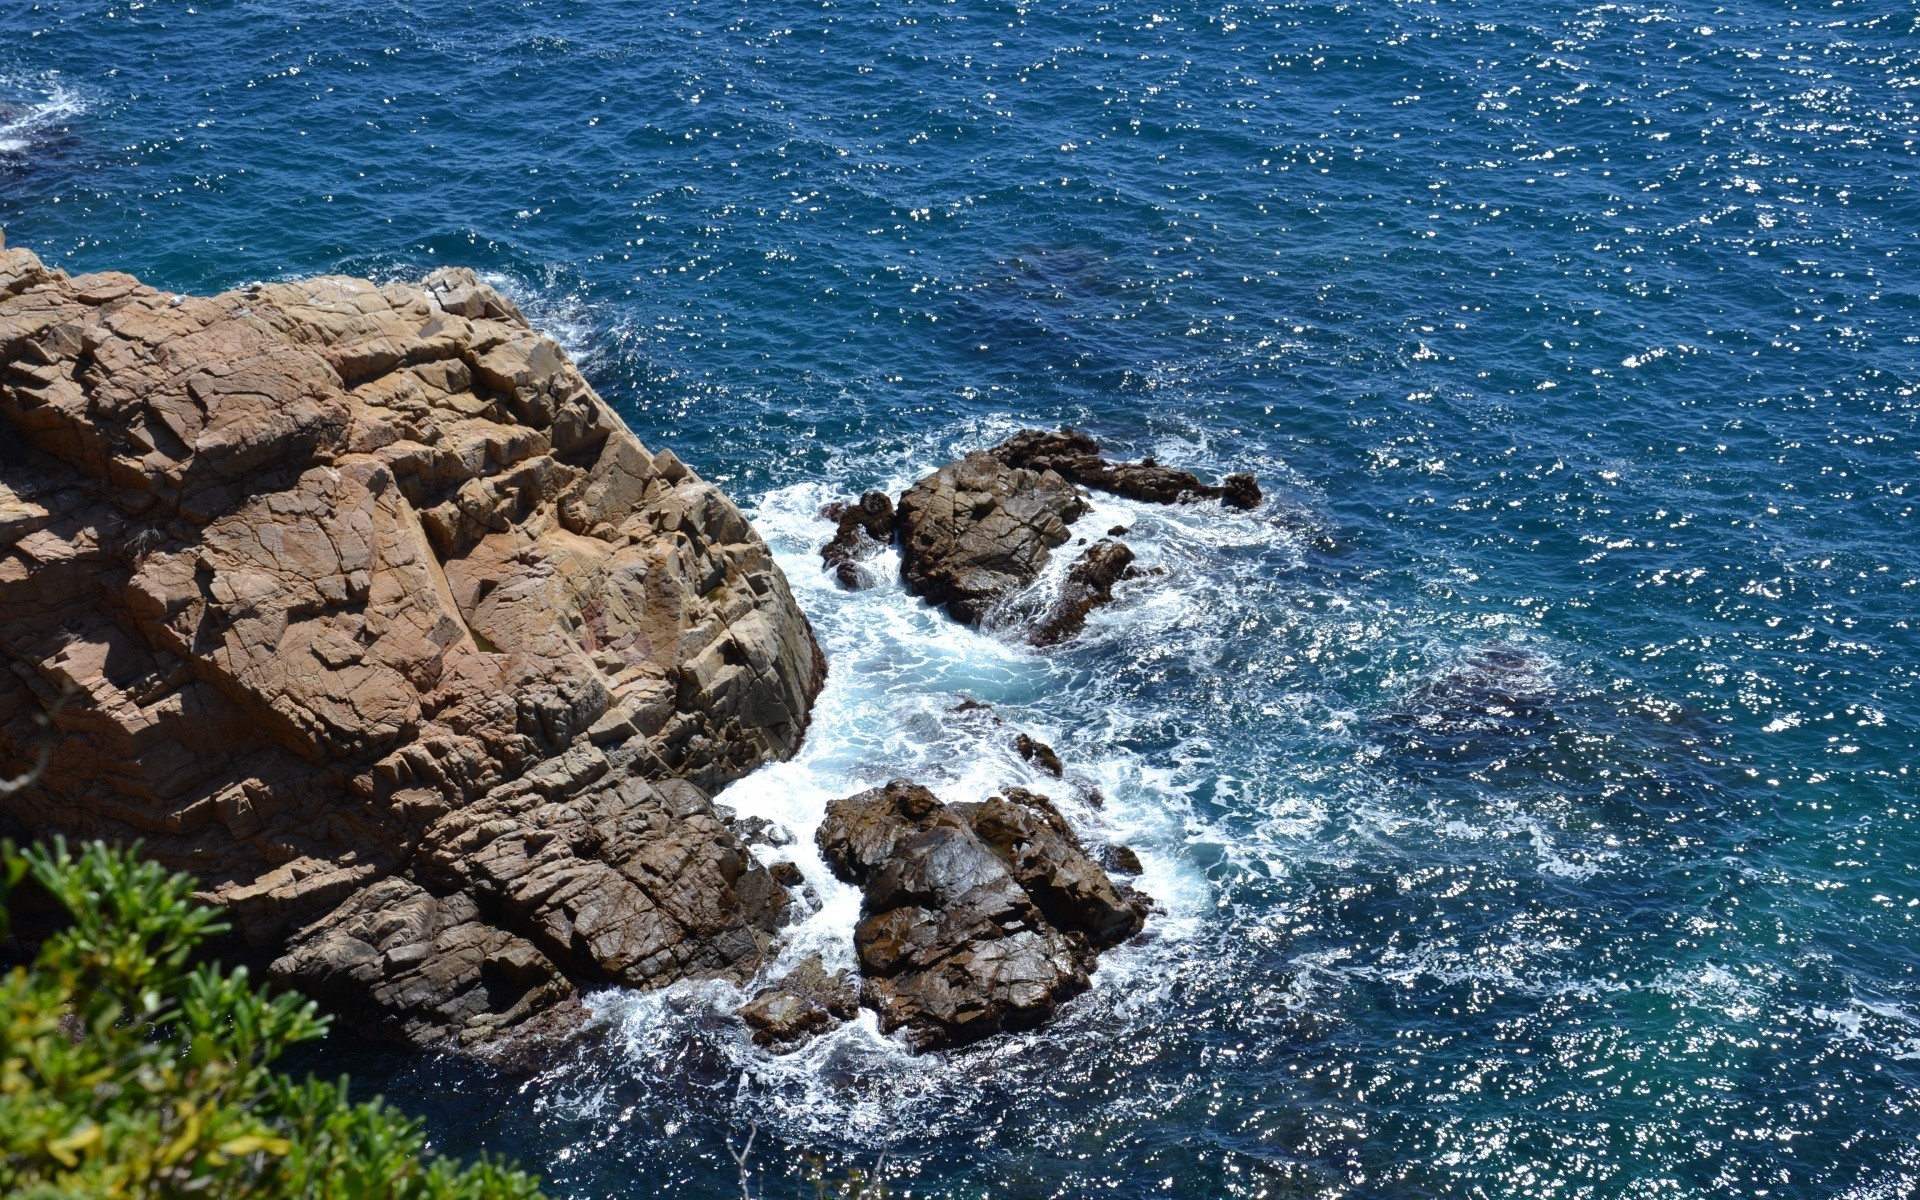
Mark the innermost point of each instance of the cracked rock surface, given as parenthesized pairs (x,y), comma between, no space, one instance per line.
(368,611)
(1076,457)
(977,918)
(978,532)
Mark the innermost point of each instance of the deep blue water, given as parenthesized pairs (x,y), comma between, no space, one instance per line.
(1577,346)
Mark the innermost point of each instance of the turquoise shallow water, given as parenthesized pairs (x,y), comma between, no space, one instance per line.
(1527,785)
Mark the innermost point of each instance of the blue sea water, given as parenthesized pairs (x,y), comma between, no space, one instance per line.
(1527,786)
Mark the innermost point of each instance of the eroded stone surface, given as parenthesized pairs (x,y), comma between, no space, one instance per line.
(807,1001)
(977,918)
(978,530)
(374,616)
(1076,457)
(863,529)
(1089,586)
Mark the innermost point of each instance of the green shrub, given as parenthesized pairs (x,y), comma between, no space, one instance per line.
(126,1070)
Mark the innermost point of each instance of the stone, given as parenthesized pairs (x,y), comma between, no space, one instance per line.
(1025,745)
(357,602)
(977,531)
(1076,457)
(793,1010)
(865,527)
(976,918)
(1089,585)
(1039,754)
(1121,860)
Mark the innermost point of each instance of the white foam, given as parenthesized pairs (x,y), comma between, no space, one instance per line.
(898,670)
(21,125)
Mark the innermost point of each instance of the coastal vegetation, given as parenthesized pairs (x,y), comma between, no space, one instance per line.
(130,1068)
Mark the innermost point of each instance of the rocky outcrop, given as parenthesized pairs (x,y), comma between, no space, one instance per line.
(1076,457)
(1039,754)
(368,611)
(978,532)
(807,1001)
(864,529)
(977,918)
(1089,585)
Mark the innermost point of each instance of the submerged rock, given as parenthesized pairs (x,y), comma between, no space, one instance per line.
(370,613)
(977,918)
(1496,689)
(865,528)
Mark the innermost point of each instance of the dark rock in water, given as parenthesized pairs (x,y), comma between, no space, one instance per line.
(1076,457)
(756,831)
(982,529)
(1030,748)
(1040,755)
(791,1011)
(1040,848)
(865,527)
(978,530)
(1089,585)
(787,874)
(1240,490)
(978,918)
(1121,859)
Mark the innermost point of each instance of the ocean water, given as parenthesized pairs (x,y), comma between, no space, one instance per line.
(1526,787)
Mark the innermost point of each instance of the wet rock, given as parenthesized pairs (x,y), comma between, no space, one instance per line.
(757,831)
(1089,585)
(977,531)
(377,619)
(787,874)
(805,1003)
(865,528)
(977,918)
(1028,747)
(1120,859)
(1076,457)
(1040,755)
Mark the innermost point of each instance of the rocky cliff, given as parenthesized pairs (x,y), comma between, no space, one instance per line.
(357,602)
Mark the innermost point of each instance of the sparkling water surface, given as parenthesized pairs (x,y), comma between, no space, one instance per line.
(1525,786)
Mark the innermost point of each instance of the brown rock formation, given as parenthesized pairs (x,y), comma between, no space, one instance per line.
(791,1011)
(374,616)
(864,528)
(978,917)
(978,530)
(1089,585)
(1076,457)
